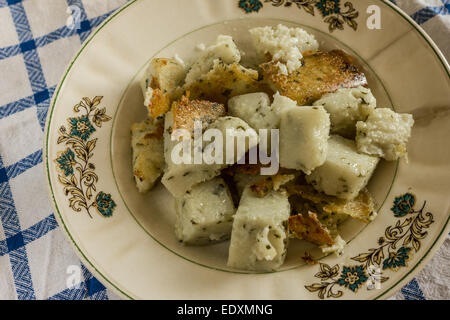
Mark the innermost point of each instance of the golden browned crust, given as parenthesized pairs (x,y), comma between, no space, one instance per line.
(166,77)
(138,174)
(157,134)
(321,73)
(269,183)
(186,111)
(361,208)
(159,103)
(225,81)
(308,227)
(146,131)
(148,146)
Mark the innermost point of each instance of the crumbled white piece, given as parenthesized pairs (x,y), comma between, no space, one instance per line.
(385,134)
(337,247)
(373,215)
(282,68)
(346,107)
(179,60)
(224,49)
(281,103)
(163,74)
(201,47)
(284,44)
(256,110)
(148,95)
(264,249)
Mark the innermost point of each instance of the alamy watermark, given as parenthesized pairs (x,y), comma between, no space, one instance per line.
(73,280)
(73,22)
(374,280)
(214,147)
(374,20)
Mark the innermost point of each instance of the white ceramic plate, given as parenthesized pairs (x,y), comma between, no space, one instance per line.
(127,239)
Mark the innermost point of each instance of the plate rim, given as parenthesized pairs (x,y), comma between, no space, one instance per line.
(132,213)
(425,258)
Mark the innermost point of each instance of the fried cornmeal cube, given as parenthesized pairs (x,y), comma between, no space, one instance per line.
(225,81)
(321,73)
(259,236)
(181,177)
(384,134)
(255,109)
(345,171)
(160,83)
(186,112)
(148,153)
(204,214)
(223,49)
(346,107)
(304,132)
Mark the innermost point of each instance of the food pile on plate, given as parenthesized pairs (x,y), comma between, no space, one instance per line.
(323,126)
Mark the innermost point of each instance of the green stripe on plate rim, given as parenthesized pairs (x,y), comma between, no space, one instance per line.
(55,97)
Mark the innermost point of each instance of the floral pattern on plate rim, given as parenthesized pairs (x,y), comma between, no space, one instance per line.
(77,171)
(386,256)
(331,10)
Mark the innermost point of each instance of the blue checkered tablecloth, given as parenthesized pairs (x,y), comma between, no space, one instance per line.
(37,41)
